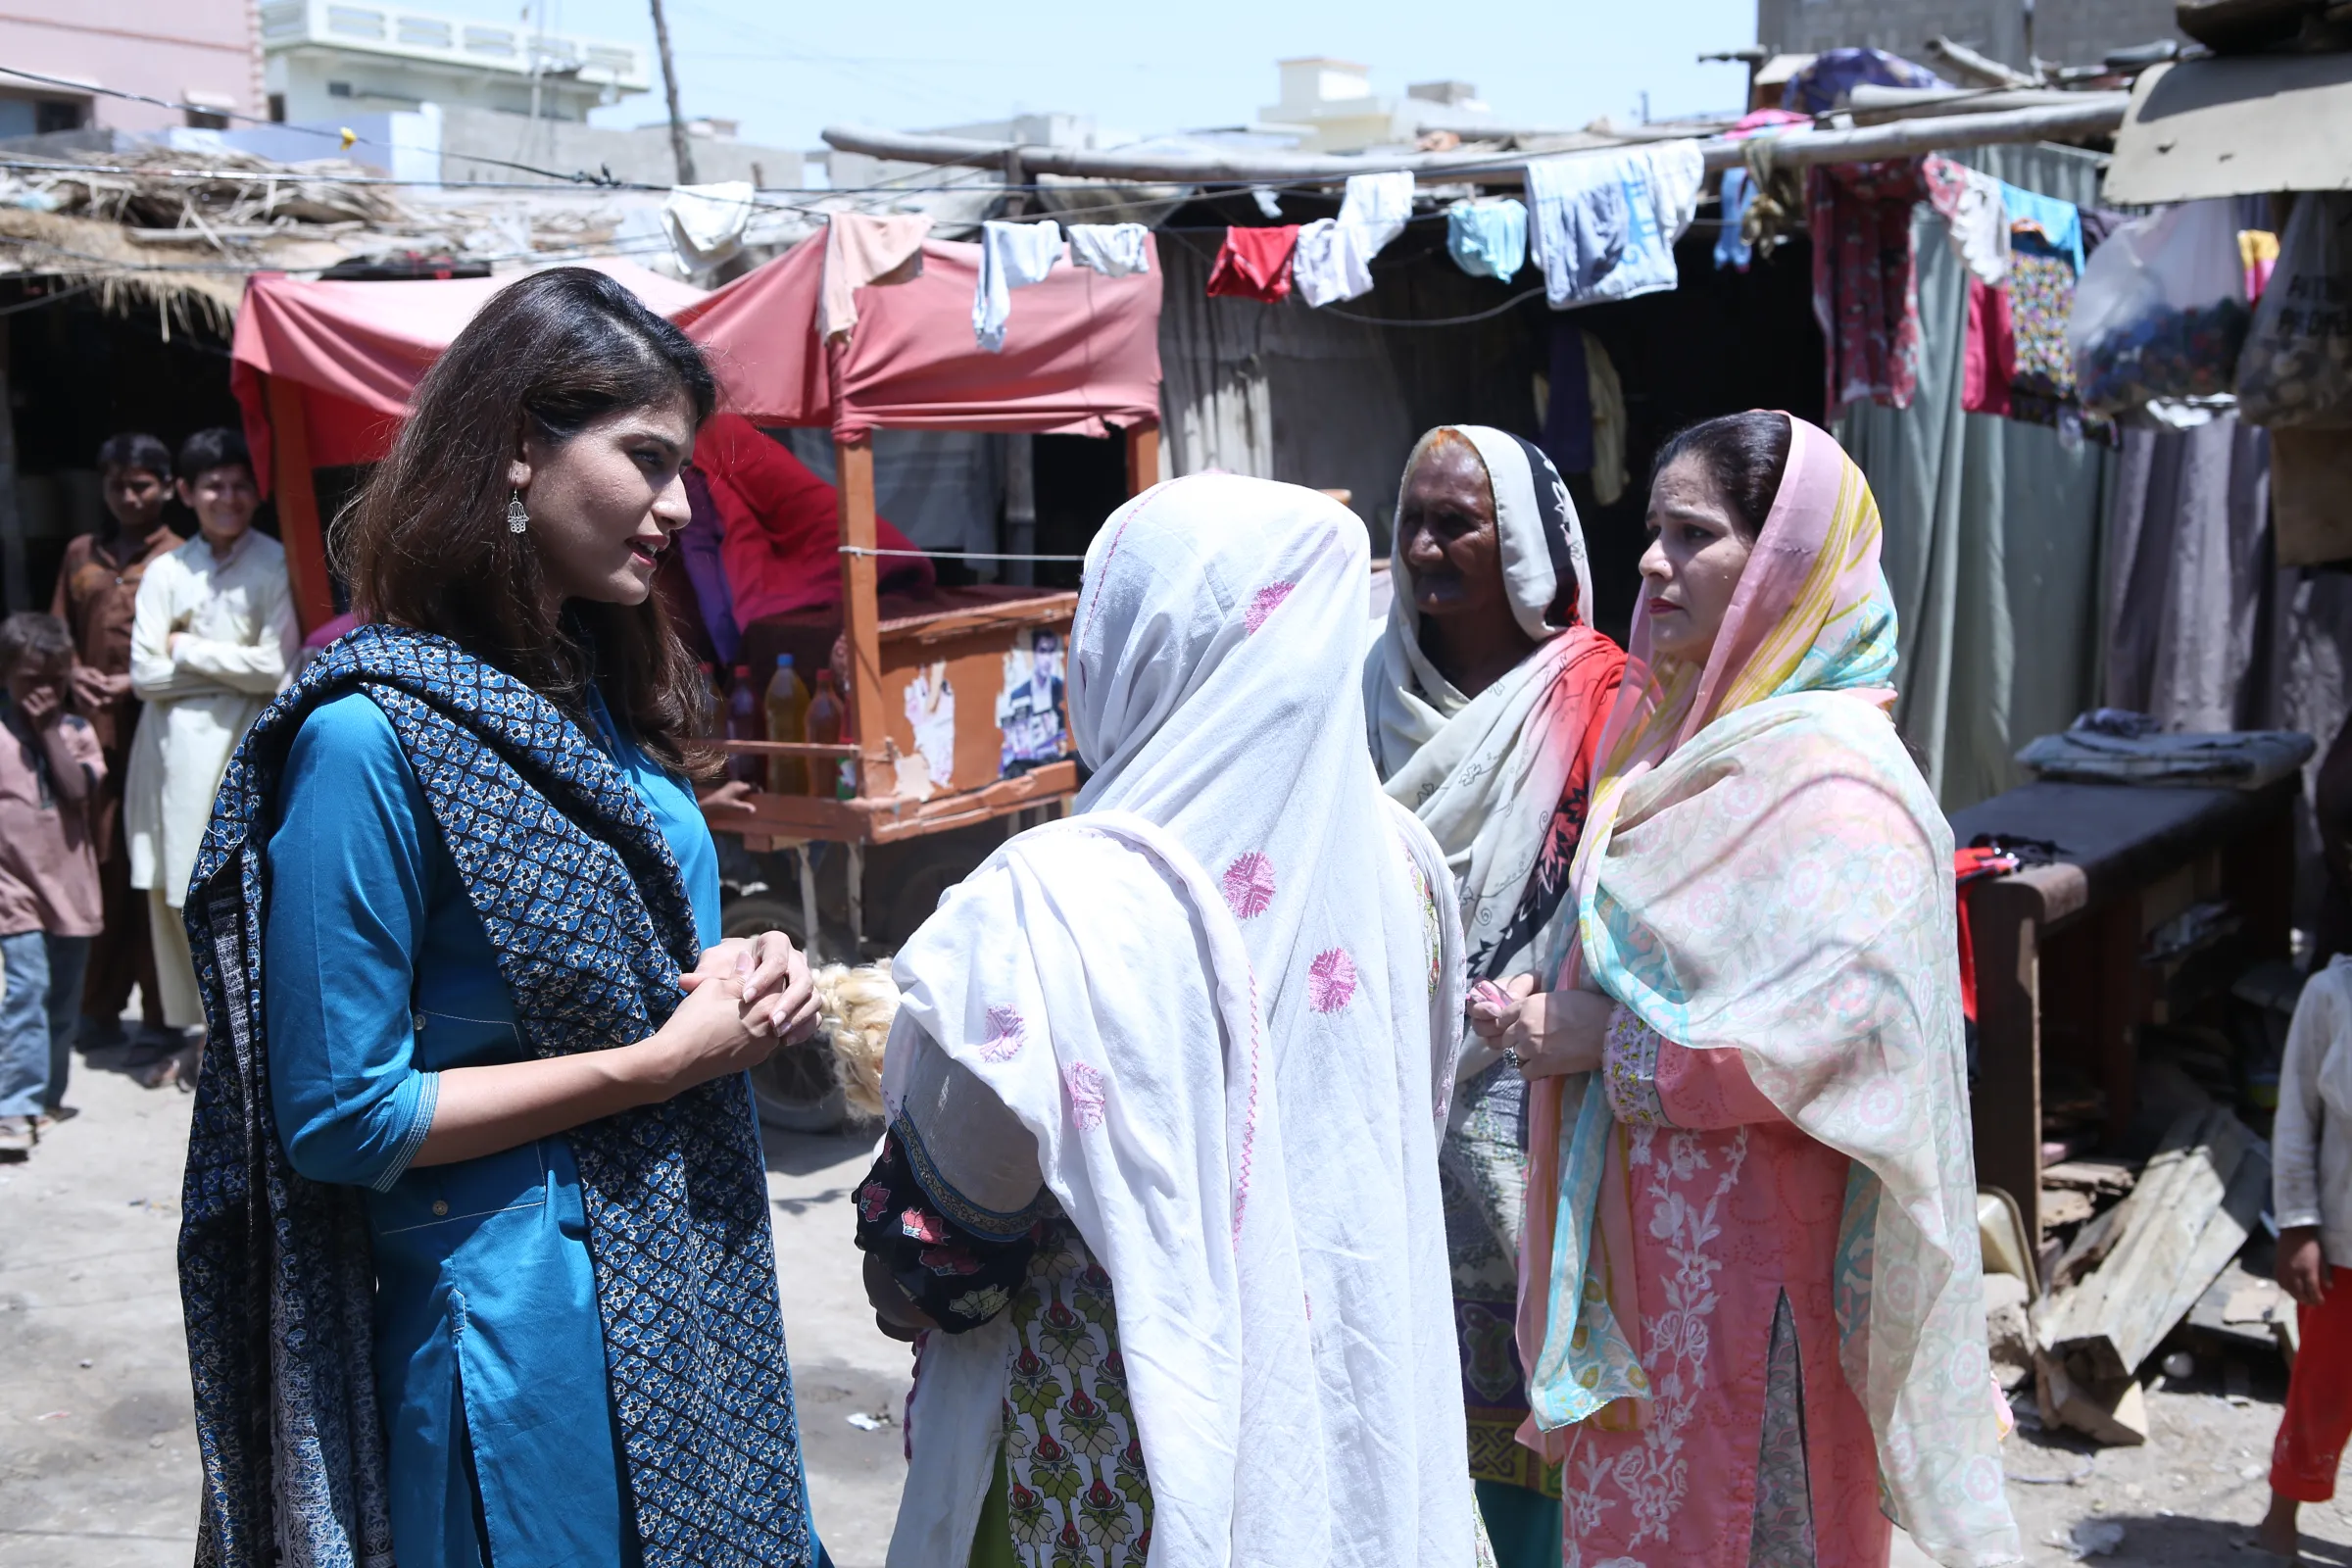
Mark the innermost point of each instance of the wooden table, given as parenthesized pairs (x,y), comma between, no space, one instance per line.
(2058,947)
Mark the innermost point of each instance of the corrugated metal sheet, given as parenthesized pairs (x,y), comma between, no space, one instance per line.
(2235,126)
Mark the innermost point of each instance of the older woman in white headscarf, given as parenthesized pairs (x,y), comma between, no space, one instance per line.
(1159,1192)
(1485,695)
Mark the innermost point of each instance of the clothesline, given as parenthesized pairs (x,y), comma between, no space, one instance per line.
(962,554)
(1511,303)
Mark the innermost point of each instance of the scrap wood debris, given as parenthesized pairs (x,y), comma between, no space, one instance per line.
(2137,1270)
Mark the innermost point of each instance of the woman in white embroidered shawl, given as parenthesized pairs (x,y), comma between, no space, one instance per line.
(1160,1184)
(1486,697)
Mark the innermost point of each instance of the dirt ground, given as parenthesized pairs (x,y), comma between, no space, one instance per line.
(97,1445)
(97,1458)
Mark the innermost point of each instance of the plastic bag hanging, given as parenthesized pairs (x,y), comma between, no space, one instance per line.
(2161,311)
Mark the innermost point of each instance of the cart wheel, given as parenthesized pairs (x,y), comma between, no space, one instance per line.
(748,916)
(794,1089)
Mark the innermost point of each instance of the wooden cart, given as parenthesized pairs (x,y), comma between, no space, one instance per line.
(966,649)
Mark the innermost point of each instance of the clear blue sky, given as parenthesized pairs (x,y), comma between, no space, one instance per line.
(785,71)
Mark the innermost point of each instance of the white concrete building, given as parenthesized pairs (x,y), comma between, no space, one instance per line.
(333,58)
(1332,107)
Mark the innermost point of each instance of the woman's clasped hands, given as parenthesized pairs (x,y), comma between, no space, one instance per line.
(1544,1032)
(747,996)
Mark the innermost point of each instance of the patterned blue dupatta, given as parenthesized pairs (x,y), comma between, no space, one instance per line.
(582,902)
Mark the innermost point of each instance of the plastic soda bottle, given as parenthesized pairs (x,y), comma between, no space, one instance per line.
(743,725)
(823,728)
(787,718)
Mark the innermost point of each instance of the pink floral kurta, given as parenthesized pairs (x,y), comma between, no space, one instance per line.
(1753,1449)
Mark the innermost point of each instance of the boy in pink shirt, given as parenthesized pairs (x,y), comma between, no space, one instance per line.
(50,765)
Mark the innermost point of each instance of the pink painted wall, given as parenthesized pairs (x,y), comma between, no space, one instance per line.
(163,48)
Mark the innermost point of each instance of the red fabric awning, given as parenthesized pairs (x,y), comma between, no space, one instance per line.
(1081,352)
(357,349)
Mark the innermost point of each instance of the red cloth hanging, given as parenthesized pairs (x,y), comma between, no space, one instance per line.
(1967,866)
(1988,350)
(1254,264)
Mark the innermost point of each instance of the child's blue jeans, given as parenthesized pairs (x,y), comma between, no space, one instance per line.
(40,1005)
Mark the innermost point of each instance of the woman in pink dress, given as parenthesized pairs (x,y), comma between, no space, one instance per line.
(1751,1298)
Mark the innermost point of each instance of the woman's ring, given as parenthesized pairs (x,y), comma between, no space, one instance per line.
(1510,1058)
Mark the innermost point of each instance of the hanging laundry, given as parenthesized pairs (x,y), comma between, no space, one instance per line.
(1567,416)
(1488,239)
(705,222)
(1987,351)
(1603,224)
(1775,205)
(1581,411)
(1254,264)
(1269,200)
(1730,247)
(1333,262)
(1976,215)
(2041,302)
(1607,393)
(2058,222)
(2258,252)
(1379,205)
(1579,222)
(2015,358)
(1832,77)
(1011,256)
(1744,187)
(862,251)
(1865,281)
(1116,250)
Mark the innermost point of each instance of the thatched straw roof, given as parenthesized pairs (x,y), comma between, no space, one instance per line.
(178,230)
(187,283)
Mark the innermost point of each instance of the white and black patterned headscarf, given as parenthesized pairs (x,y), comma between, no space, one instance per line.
(1542,544)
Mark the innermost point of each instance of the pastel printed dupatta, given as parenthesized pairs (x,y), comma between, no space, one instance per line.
(1221,1005)
(1766,871)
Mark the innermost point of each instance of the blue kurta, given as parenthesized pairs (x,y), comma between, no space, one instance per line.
(489,1350)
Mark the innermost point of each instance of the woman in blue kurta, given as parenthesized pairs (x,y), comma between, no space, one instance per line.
(476,1259)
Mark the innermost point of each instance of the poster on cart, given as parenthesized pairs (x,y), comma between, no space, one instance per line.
(1032,711)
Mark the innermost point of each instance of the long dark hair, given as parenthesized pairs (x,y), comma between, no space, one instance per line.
(426,545)
(1743,454)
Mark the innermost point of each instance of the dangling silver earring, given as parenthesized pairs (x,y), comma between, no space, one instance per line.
(517,520)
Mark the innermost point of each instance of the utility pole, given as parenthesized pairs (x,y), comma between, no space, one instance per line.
(670,87)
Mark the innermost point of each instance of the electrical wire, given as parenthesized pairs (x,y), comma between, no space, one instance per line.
(960,555)
(53,297)
(1510,304)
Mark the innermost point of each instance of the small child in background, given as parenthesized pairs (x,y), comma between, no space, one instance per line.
(2310,1197)
(50,768)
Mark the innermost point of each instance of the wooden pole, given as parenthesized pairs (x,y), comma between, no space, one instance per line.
(16,584)
(861,618)
(299,528)
(1142,458)
(2096,115)
(679,146)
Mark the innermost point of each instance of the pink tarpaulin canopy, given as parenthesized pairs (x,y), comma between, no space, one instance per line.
(357,350)
(1081,350)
